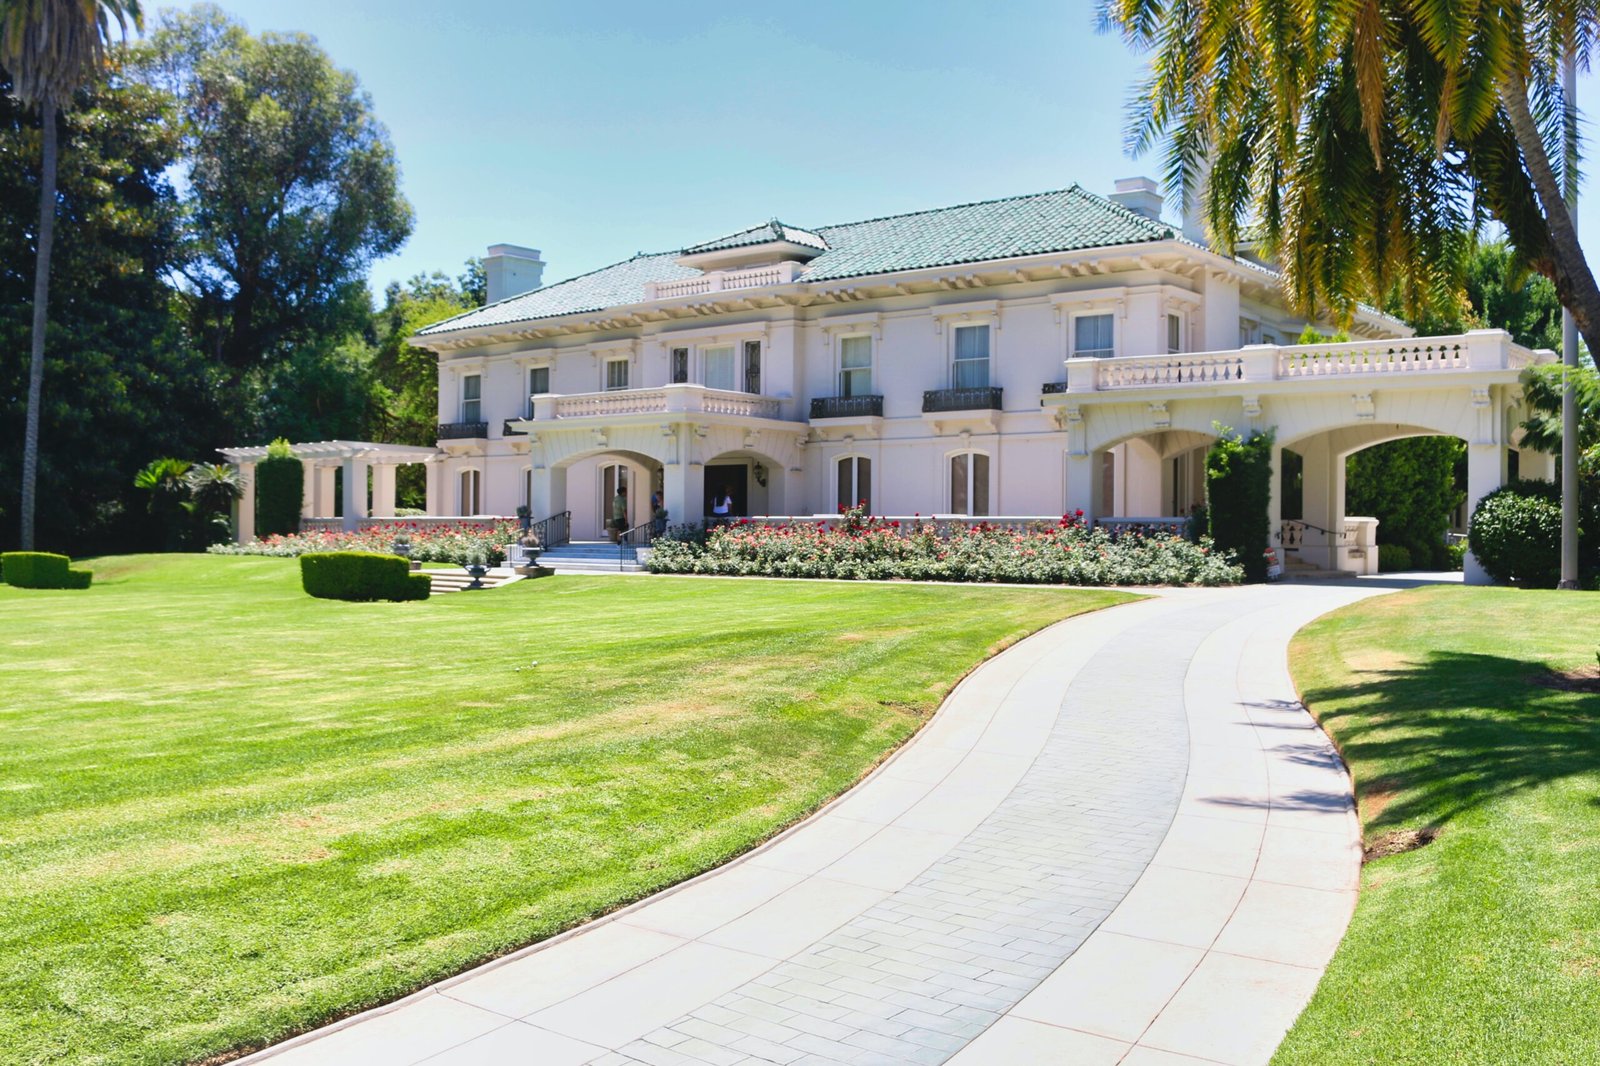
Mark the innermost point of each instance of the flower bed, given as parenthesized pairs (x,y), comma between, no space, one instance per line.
(457,543)
(1065,553)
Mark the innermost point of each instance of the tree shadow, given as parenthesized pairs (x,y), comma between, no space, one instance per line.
(1432,741)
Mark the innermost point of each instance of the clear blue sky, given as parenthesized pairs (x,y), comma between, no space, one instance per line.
(595,130)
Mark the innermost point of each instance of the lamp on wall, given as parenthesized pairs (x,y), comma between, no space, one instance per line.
(761,475)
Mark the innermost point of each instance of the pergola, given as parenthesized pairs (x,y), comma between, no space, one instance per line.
(321,459)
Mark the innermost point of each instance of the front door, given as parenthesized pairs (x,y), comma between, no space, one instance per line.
(614,476)
(728,479)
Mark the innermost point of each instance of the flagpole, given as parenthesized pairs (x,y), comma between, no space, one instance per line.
(1569,341)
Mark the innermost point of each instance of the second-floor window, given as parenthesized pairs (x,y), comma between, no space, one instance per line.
(616,374)
(472,398)
(1174,334)
(538,384)
(855,366)
(718,366)
(752,366)
(679,369)
(1094,336)
(970,363)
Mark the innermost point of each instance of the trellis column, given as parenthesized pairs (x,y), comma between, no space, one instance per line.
(244,507)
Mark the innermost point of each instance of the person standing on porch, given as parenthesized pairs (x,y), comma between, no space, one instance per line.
(619,513)
(722,506)
(658,515)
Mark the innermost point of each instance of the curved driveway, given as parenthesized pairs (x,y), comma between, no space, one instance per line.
(1121,841)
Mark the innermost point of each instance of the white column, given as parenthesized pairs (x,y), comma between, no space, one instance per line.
(433,473)
(794,490)
(354,492)
(244,508)
(325,497)
(1274,501)
(383,490)
(1486,471)
(308,489)
(684,491)
(1082,478)
(1322,502)
(549,493)
(1535,464)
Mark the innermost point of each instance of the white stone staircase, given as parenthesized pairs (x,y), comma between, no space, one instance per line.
(591,557)
(457,580)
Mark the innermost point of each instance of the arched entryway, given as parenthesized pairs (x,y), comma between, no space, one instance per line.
(754,483)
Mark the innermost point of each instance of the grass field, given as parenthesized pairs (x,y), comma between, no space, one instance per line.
(1482,947)
(229,812)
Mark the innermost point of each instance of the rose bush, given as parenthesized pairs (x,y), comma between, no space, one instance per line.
(454,543)
(1065,553)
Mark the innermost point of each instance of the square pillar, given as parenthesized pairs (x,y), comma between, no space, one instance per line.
(794,491)
(325,486)
(433,477)
(1274,501)
(308,489)
(549,493)
(355,493)
(1486,471)
(383,490)
(1083,478)
(244,508)
(684,492)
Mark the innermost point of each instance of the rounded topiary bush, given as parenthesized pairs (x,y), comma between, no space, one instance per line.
(1516,534)
(1393,557)
(361,576)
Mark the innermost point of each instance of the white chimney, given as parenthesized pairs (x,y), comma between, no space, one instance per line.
(1142,196)
(511,270)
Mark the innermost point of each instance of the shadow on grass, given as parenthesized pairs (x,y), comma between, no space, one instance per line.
(1433,741)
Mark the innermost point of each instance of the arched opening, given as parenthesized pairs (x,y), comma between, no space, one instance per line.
(1151,475)
(743,483)
(599,488)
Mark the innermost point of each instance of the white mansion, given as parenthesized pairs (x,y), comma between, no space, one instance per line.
(1036,355)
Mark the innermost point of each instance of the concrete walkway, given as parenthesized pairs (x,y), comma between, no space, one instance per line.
(1122,841)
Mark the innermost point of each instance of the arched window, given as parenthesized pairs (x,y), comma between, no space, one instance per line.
(855,481)
(471,492)
(969,483)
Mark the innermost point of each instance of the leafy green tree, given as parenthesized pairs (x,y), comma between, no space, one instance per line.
(51,49)
(291,189)
(1363,141)
(164,481)
(1238,493)
(212,489)
(124,385)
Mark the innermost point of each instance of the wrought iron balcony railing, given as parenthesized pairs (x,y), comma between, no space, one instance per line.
(507,430)
(986,398)
(847,407)
(462,430)
(1054,387)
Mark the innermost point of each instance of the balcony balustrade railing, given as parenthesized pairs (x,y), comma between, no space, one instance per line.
(847,407)
(723,280)
(986,398)
(1412,356)
(463,430)
(668,399)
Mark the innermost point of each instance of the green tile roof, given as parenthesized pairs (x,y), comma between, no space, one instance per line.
(1060,221)
(762,234)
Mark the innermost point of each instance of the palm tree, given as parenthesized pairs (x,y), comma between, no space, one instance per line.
(1362,141)
(51,48)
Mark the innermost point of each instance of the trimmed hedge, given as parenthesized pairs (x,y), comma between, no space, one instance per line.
(1393,558)
(42,570)
(280,488)
(1238,496)
(1516,534)
(361,576)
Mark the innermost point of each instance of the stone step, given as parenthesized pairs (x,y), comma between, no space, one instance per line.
(442,581)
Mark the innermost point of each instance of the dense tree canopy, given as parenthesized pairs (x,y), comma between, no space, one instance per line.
(292,188)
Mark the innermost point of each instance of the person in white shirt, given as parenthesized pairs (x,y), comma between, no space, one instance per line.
(722,506)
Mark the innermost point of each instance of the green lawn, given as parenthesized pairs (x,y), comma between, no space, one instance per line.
(1484,946)
(229,812)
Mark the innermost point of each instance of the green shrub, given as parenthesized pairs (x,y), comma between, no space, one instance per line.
(1238,494)
(1393,557)
(1516,534)
(361,576)
(280,491)
(42,570)
(1455,554)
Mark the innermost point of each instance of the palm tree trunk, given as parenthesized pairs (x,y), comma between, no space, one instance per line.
(41,295)
(1574,281)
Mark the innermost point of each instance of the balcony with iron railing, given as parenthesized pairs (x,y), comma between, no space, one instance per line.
(463,430)
(982,398)
(846,407)
(1416,359)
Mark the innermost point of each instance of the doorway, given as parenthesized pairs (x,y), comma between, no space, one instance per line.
(732,479)
(614,476)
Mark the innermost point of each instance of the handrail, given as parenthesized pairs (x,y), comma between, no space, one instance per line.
(1292,532)
(634,539)
(554,531)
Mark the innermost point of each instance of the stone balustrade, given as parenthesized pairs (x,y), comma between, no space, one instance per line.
(1479,350)
(668,399)
(722,280)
